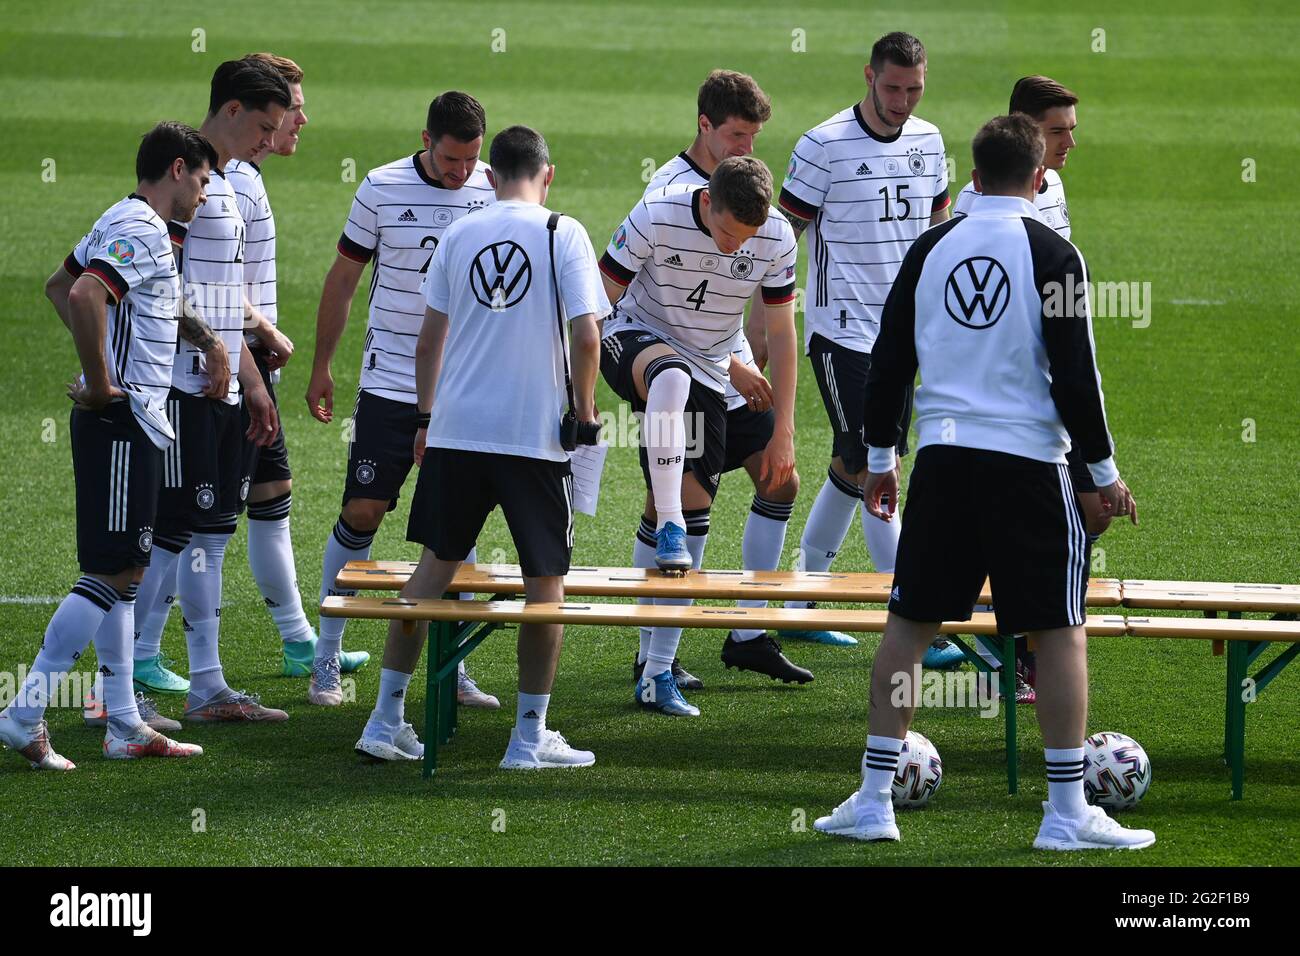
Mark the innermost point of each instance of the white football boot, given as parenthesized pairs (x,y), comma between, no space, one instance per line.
(145,742)
(1092,831)
(33,743)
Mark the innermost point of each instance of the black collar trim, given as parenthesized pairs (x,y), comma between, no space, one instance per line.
(419,168)
(695,211)
(857,115)
(694,165)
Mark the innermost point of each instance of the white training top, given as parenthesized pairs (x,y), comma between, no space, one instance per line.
(398,217)
(128,250)
(212,277)
(683,289)
(681,169)
(501,386)
(1050,202)
(868,198)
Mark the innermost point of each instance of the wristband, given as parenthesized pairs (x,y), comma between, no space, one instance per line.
(422,419)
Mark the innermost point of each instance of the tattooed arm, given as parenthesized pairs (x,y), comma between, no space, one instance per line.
(198,333)
(797,223)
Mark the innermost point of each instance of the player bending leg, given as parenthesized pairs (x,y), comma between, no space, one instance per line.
(117,293)
(492,440)
(398,217)
(682,266)
(1005,388)
(868,181)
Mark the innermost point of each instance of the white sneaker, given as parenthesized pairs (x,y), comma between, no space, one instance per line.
(407,740)
(146,742)
(379,741)
(33,743)
(552,751)
(468,694)
(1093,831)
(863,816)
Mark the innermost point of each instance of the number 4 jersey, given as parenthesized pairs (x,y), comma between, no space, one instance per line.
(398,217)
(868,198)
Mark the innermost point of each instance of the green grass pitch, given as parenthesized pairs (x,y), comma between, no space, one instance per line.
(1182,96)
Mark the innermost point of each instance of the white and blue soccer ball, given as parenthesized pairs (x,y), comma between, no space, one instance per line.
(919,773)
(1116,772)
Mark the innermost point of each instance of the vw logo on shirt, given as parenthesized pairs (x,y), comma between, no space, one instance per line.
(977,292)
(500,275)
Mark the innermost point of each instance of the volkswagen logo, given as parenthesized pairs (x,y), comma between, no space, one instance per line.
(977,292)
(500,275)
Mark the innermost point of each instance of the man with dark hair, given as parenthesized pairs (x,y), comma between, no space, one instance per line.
(1007,382)
(205,482)
(1051,106)
(689,257)
(117,293)
(869,180)
(397,219)
(488,439)
(270,495)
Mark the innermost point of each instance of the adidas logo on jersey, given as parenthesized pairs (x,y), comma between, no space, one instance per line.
(224,207)
(407,216)
(673,260)
(864,170)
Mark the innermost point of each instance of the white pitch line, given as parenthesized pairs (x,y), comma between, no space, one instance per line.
(1197,302)
(30,599)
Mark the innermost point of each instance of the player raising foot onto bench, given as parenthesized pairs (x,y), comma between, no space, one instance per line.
(1006,384)
(681,267)
(492,347)
(117,293)
(398,217)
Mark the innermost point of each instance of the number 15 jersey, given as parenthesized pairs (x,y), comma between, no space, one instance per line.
(398,217)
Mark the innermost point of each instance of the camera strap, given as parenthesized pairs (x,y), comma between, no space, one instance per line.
(551,224)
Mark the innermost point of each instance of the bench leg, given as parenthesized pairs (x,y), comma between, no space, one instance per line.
(433,693)
(1009,702)
(447,640)
(1235,716)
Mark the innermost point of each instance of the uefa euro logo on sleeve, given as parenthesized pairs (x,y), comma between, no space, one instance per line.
(121,251)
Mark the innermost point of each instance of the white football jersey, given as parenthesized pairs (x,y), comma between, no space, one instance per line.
(398,218)
(212,275)
(501,386)
(259,243)
(681,169)
(130,253)
(1050,202)
(683,289)
(868,198)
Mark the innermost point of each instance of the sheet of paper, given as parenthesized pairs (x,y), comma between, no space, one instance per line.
(588,464)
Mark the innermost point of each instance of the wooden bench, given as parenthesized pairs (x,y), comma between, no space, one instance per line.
(450,644)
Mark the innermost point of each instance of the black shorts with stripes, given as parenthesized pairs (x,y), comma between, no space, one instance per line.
(841,375)
(118,471)
(382,451)
(205,477)
(972,514)
(706,412)
(457,490)
(269,463)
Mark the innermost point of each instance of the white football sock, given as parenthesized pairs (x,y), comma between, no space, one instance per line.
(880,763)
(530,716)
(345,544)
(199,578)
(882,539)
(828,522)
(390,708)
(270,558)
(761,547)
(156,596)
(113,648)
(643,556)
(664,640)
(77,617)
(1065,781)
(664,435)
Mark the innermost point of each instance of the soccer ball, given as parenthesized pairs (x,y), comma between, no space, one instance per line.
(919,773)
(1117,771)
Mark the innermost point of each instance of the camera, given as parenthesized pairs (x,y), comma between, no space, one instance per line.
(574,433)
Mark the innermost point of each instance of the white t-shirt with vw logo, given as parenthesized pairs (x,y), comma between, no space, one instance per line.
(501,388)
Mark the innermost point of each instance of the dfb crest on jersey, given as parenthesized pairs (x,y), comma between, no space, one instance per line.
(742,267)
(146,540)
(501,274)
(475,205)
(365,472)
(1065,213)
(243,489)
(915,162)
(441,216)
(977,292)
(205,498)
